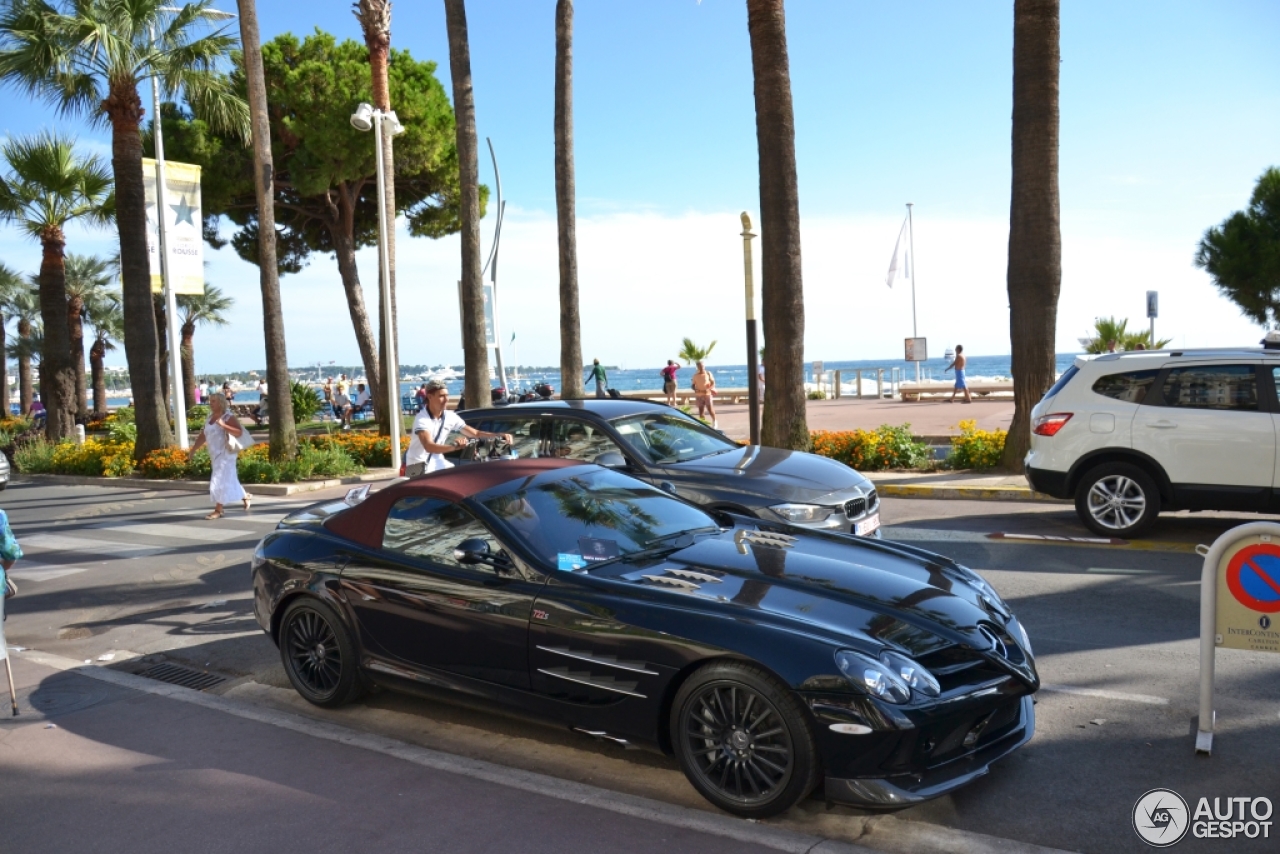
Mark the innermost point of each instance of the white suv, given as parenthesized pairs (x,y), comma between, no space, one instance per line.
(1130,434)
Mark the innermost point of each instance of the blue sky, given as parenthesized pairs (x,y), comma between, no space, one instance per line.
(1170,111)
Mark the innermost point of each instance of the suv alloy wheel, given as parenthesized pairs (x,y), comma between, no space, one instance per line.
(1117,500)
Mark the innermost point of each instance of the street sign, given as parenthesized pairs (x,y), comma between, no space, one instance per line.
(917,350)
(1239,605)
(1153,304)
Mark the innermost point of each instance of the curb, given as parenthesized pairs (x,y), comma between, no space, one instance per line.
(966,493)
(266,489)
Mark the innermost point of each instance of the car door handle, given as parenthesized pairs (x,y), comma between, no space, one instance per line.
(1162,425)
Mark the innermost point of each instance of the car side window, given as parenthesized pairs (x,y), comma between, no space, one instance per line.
(526,432)
(1231,387)
(572,439)
(1130,386)
(431,528)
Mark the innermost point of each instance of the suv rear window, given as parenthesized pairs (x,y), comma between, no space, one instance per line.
(1062,381)
(1130,386)
(1212,387)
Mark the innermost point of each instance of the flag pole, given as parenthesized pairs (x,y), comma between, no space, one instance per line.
(911,248)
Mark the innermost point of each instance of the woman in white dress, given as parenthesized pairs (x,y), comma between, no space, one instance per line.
(224,485)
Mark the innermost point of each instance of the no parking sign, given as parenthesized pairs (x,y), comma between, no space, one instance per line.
(1239,605)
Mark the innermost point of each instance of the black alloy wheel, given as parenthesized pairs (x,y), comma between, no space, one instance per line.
(743,740)
(1117,500)
(318,654)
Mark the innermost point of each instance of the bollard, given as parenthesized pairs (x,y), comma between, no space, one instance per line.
(79,434)
(835,392)
(880,383)
(857,383)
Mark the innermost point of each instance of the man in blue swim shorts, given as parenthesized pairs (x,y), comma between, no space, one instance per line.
(958,363)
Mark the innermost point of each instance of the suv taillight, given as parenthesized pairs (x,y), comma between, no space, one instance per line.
(1048,425)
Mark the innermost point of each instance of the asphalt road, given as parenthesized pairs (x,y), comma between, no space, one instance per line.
(130,578)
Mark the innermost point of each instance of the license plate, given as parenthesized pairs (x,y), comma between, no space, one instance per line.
(867,525)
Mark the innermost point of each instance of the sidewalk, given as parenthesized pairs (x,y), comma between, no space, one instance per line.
(927,417)
(114,762)
(971,486)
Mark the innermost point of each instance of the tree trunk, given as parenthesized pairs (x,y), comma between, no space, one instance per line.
(375,22)
(782,290)
(344,250)
(57,376)
(566,217)
(188,350)
(75,328)
(124,109)
(283,430)
(1035,236)
(24,371)
(475,351)
(162,341)
(4,367)
(97,370)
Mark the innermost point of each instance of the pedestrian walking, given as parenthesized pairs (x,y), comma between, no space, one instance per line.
(432,427)
(760,380)
(669,381)
(227,392)
(218,433)
(421,396)
(601,377)
(10,553)
(704,392)
(961,385)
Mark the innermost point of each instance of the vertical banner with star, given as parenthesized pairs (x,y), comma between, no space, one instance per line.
(183,232)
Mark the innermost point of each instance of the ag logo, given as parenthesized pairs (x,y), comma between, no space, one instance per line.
(1160,817)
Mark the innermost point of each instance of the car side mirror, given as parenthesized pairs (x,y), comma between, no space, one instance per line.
(668,486)
(611,460)
(472,551)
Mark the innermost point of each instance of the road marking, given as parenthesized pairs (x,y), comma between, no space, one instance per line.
(1106,695)
(934,535)
(59,543)
(212,534)
(1100,570)
(907,533)
(31,571)
(1049,538)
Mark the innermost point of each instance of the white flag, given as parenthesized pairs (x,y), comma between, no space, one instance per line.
(899,251)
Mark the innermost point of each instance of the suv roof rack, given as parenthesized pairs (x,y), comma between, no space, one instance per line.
(1203,353)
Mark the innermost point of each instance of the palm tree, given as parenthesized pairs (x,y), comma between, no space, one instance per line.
(88,276)
(474,350)
(208,308)
(11,282)
(691,352)
(87,58)
(24,307)
(1108,329)
(284,433)
(49,186)
(566,215)
(107,319)
(782,289)
(375,22)
(1035,237)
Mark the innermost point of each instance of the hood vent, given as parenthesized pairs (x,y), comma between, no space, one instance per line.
(671,583)
(764,538)
(695,575)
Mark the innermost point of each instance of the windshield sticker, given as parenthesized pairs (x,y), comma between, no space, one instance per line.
(567,561)
(597,549)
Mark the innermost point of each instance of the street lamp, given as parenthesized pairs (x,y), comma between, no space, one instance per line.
(176,388)
(753,383)
(364,118)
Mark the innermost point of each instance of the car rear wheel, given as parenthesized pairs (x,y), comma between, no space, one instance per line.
(1117,500)
(743,740)
(318,654)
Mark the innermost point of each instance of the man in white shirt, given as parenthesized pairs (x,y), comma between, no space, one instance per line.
(433,425)
(342,405)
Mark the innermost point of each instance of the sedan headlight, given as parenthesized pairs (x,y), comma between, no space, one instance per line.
(802,512)
(874,677)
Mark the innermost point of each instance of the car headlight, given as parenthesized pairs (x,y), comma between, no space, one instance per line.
(1022,635)
(912,673)
(801,512)
(874,677)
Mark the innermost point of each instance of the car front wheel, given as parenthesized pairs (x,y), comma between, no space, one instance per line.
(743,741)
(1117,500)
(318,654)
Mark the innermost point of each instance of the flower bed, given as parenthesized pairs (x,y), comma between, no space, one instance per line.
(886,447)
(976,449)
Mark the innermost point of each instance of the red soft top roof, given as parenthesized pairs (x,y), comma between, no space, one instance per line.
(364,523)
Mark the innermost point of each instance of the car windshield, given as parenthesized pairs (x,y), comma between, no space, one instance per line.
(663,437)
(589,518)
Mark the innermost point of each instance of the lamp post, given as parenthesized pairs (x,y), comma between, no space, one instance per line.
(364,118)
(176,388)
(753,384)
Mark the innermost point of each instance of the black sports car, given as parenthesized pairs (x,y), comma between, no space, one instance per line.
(768,658)
(659,444)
